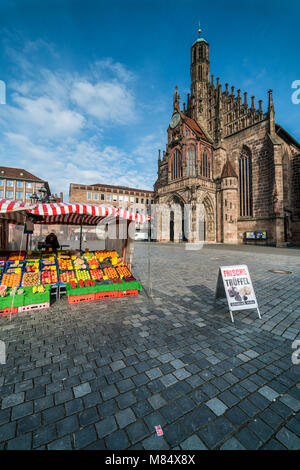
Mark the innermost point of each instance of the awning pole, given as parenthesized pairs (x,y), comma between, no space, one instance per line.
(80,243)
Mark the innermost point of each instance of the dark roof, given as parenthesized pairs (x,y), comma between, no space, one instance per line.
(110,186)
(18,173)
(228,171)
(281,132)
(196,128)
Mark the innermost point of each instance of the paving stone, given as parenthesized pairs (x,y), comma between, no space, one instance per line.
(84,437)
(291,402)
(61,444)
(142,408)
(137,432)
(125,385)
(81,390)
(181,374)
(106,427)
(53,414)
(288,439)
(168,380)
(88,416)
(156,401)
(29,423)
(155,443)
(13,400)
(193,443)
(7,431)
(44,435)
(154,373)
(232,444)
(248,439)
(22,410)
(217,406)
(174,433)
(117,441)
(125,417)
(20,443)
(73,406)
(268,392)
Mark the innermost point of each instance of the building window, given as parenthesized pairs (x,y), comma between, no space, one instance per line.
(19,195)
(102,197)
(1,182)
(225,216)
(230,205)
(19,184)
(136,200)
(115,197)
(28,195)
(29,185)
(9,184)
(126,198)
(120,198)
(147,201)
(131,199)
(142,200)
(108,197)
(245,180)
(191,161)
(89,195)
(225,202)
(152,201)
(96,196)
(176,165)
(1,193)
(188,132)
(9,194)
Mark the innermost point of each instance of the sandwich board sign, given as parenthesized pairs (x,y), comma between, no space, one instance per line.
(234,282)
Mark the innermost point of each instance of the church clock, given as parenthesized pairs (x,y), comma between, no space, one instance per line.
(175,120)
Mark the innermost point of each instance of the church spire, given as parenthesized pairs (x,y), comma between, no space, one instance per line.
(176,99)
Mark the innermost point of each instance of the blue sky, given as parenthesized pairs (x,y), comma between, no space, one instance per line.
(90,82)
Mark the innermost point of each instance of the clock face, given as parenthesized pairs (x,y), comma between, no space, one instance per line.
(175,120)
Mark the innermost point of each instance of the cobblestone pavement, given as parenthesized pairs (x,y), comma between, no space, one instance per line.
(102,375)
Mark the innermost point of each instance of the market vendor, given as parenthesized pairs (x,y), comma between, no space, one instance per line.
(52,242)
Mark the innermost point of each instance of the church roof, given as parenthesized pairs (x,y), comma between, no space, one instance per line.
(195,127)
(200,40)
(228,171)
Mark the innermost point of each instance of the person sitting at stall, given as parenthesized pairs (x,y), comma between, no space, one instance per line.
(52,242)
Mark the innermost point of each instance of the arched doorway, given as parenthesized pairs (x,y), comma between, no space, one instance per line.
(171,226)
(209,220)
(176,205)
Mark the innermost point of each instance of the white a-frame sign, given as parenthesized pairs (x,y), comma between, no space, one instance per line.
(234,282)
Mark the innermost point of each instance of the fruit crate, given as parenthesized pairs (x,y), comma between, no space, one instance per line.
(8,311)
(11,301)
(38,297)
(115,293)
(40,306)
(75,299)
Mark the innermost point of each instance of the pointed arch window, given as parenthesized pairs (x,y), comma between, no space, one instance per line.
(245,183)
(176,165)
(191,161)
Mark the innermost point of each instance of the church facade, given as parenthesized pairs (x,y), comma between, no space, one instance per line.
(229,156)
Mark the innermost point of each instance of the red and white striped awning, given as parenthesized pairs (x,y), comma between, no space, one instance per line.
(14,211)
(71,214)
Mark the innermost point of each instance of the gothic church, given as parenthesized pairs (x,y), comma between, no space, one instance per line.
(227,154)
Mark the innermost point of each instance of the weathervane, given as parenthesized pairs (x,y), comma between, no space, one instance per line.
(199,29)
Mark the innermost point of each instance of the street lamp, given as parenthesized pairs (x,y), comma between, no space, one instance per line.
(42,197)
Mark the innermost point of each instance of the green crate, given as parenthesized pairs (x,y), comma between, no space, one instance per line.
(38,297)
(11,302)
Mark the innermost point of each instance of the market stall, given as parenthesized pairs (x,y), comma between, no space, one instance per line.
(29,278)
